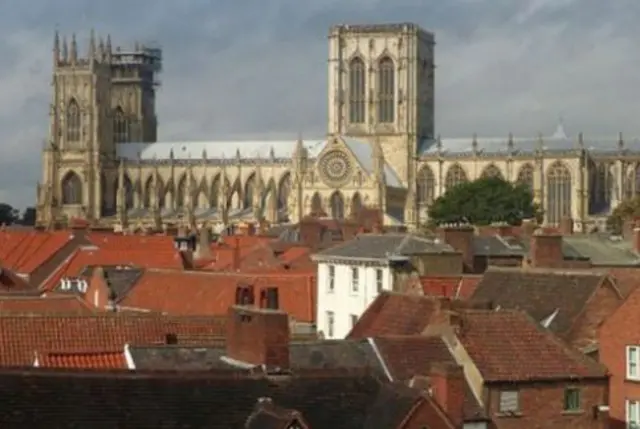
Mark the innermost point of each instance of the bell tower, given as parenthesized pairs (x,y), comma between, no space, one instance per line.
(80,141)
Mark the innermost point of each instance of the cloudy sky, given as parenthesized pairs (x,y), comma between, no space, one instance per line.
(257,69)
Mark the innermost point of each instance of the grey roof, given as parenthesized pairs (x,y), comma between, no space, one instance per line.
(326,354)
(384,246)
(120,278)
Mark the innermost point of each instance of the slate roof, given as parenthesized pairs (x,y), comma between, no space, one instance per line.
(540,292)
(383,246)
(327,400)
(509,346)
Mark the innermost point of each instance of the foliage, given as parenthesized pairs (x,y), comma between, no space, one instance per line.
(29,216)
(8,215)
(485,201)
(626,210)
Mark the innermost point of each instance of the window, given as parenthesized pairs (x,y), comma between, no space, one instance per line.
(632,362)
(509,401)
(633,414)
(330,322)
(355,279)
(331,279)
(572,399)
(354,320)
(379,280)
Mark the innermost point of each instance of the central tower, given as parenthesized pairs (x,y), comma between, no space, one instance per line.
(381,86)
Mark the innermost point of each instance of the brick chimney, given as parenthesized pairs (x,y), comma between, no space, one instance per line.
(203,246)
(461,238)
(566,225)
(447,387)
(545,249)
(258,336)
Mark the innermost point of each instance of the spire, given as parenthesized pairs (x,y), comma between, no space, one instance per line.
(74,49)
(92,45)
(65,50)
(56,47)
(108,47)
(101,52)
(620,142)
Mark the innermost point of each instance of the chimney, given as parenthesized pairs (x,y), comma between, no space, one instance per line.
(636,239)
(545,249)
(349,230)
(311,232)
(203,247)
(447,388)
(528,227)
(461,238)
(258,336)
(566,225)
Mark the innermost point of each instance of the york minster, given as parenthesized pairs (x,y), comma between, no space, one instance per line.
(102,161)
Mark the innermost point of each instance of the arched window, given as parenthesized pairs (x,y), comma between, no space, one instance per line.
(558,193)
(181,193)
(128,193)
(632,182)
(73,121)
(283,191)
(148,192)
(525,176)
(120,126)
(386,90)
(337,206)
(356,205)
(357,91)
(491,171)
(455,176)
(426,186)
(249,191)
(316,205)
(71,189)
(213,192)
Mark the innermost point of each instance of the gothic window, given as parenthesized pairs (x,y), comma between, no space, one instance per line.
(357,91)
(316,205)
(491,171)
(337,206)
(73,125)
(128,193)
(386,90)
(71,189)
(181,193)
(558,193)
(426,186)
(455,176)
(525,176)
(148,192)
(632,182)
(249,190)
(284,190)
(213,192)
(120,126)
(356,205)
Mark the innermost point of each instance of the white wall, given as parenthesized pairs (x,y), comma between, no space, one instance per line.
(343,301)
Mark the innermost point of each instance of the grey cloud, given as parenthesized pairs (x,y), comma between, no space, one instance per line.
(251,69)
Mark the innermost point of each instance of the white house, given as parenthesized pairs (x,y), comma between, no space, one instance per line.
(352,274)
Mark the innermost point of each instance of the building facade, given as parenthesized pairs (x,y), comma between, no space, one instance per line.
(102,161)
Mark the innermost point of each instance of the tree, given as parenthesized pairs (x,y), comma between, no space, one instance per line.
(8,214)
(485,201)
(626,210)
(29,216)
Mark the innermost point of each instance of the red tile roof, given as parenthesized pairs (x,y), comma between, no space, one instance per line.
(88,360)
(139,257)
(508,345)
(23,251)
(450,286)
(212,293)
(105,240)
(54,304)
(21,336)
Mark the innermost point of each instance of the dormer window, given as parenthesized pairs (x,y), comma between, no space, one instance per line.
(244,295)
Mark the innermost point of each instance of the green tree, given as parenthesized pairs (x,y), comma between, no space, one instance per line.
(29,216)
(8,214)
(626,210)
(485,201)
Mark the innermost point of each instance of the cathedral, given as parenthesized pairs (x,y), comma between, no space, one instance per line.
(102,161)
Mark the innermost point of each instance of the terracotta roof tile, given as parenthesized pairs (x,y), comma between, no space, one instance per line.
(450,286)
(25,250)
(138,257)
(21,336)
(163,243)
(508,345)
(212,293)
(90,360)
(395,314)
(54,304)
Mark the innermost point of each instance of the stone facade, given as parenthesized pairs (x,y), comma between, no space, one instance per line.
(102,162)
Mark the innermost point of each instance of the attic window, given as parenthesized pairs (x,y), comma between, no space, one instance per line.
(73,284)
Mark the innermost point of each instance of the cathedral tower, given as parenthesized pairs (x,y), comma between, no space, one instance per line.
(381,85)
